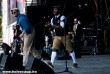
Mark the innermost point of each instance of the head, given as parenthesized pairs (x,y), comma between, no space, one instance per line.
(17,27)
(75,20)
(15,12)
(56,10)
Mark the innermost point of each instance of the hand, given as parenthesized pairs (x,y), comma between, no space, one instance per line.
(21,35)
(70,33)
(46,25)
(57,27)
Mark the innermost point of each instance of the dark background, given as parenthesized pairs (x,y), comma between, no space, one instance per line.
(92,14)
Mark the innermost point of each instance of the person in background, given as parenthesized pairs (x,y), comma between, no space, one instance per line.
(48,36)
(17,41)
(77,37)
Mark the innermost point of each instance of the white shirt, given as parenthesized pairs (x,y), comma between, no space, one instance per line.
(75,27)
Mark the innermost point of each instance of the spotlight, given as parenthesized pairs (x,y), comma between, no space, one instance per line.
(85,4)
(79,6)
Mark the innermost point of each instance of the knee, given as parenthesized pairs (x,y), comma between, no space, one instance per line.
(70,51)
(55,50)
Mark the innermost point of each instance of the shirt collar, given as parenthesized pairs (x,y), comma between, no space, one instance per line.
(57,15)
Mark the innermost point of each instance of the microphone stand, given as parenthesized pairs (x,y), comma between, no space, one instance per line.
(66,68)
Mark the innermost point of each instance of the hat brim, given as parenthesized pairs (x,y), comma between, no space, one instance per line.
(15,9)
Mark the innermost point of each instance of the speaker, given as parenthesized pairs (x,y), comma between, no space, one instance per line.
(5,62)
(11,63)
(16,61)
(39,66)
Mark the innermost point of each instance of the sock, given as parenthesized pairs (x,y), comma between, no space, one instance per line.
(53,56)
(73,56)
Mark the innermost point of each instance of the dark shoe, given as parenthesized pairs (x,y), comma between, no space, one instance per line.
(22,68)
(75,65)
(50,64)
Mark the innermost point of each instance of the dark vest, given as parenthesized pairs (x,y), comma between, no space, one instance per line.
(59,32)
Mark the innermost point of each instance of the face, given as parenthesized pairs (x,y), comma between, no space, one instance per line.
(75,21)
(55,11)
(17,27)
(15,13)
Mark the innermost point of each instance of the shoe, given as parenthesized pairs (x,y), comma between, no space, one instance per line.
(50,65)
(75,65)
(21,53)
(22,68)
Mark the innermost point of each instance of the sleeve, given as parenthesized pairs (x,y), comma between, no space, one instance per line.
(63,21)
(24,24)
(51,22)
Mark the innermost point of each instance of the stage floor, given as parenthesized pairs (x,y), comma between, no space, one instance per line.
(87,64)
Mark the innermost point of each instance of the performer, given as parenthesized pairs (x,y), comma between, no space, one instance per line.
(48,37)
(58,22)
(17,42)
(28,34)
